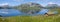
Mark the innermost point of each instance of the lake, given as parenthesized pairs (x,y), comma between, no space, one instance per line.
(14,12)
(9,12)
(43,11)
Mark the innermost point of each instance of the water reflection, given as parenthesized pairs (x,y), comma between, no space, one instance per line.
(13,12)
(43,11)
(9,12)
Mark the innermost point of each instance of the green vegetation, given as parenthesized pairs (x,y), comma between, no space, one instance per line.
(29,7)
(34,7)
(32,19)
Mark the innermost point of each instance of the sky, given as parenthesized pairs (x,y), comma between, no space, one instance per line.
(18,2)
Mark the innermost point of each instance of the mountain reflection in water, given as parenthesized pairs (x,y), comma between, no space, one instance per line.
(43,11)
(9,12)
(13,12)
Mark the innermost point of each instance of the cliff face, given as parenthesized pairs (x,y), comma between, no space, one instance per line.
(52,6)
(29,7)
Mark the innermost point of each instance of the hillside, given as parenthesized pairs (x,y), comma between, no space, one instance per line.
(32,19)
(29,7)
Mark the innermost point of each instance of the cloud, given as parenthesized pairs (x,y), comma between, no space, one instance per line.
(18,0)
(4,4)
(51,3)
(59,4)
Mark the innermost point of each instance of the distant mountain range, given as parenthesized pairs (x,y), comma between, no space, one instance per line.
(52,6)
(32,8)
(30,4)
(6,6)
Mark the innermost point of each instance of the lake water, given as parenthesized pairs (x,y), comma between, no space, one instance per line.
(13,12)
(43,11)
(9,12)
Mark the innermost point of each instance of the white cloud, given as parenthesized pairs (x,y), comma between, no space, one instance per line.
(18,0)
(51,3)
(4,4)
(59,4)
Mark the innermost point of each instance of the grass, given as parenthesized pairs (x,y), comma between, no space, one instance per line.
(32,19)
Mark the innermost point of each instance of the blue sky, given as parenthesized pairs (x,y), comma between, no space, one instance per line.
(18,2)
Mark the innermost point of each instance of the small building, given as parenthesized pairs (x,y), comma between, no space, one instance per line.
(49,13)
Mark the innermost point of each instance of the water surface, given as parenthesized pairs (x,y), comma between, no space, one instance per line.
(9,12)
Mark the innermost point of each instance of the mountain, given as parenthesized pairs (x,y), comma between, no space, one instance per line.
(6,6)
(29,7)
(34,4)
(51,6)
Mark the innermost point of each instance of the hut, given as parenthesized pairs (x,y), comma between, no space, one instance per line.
(50,13)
